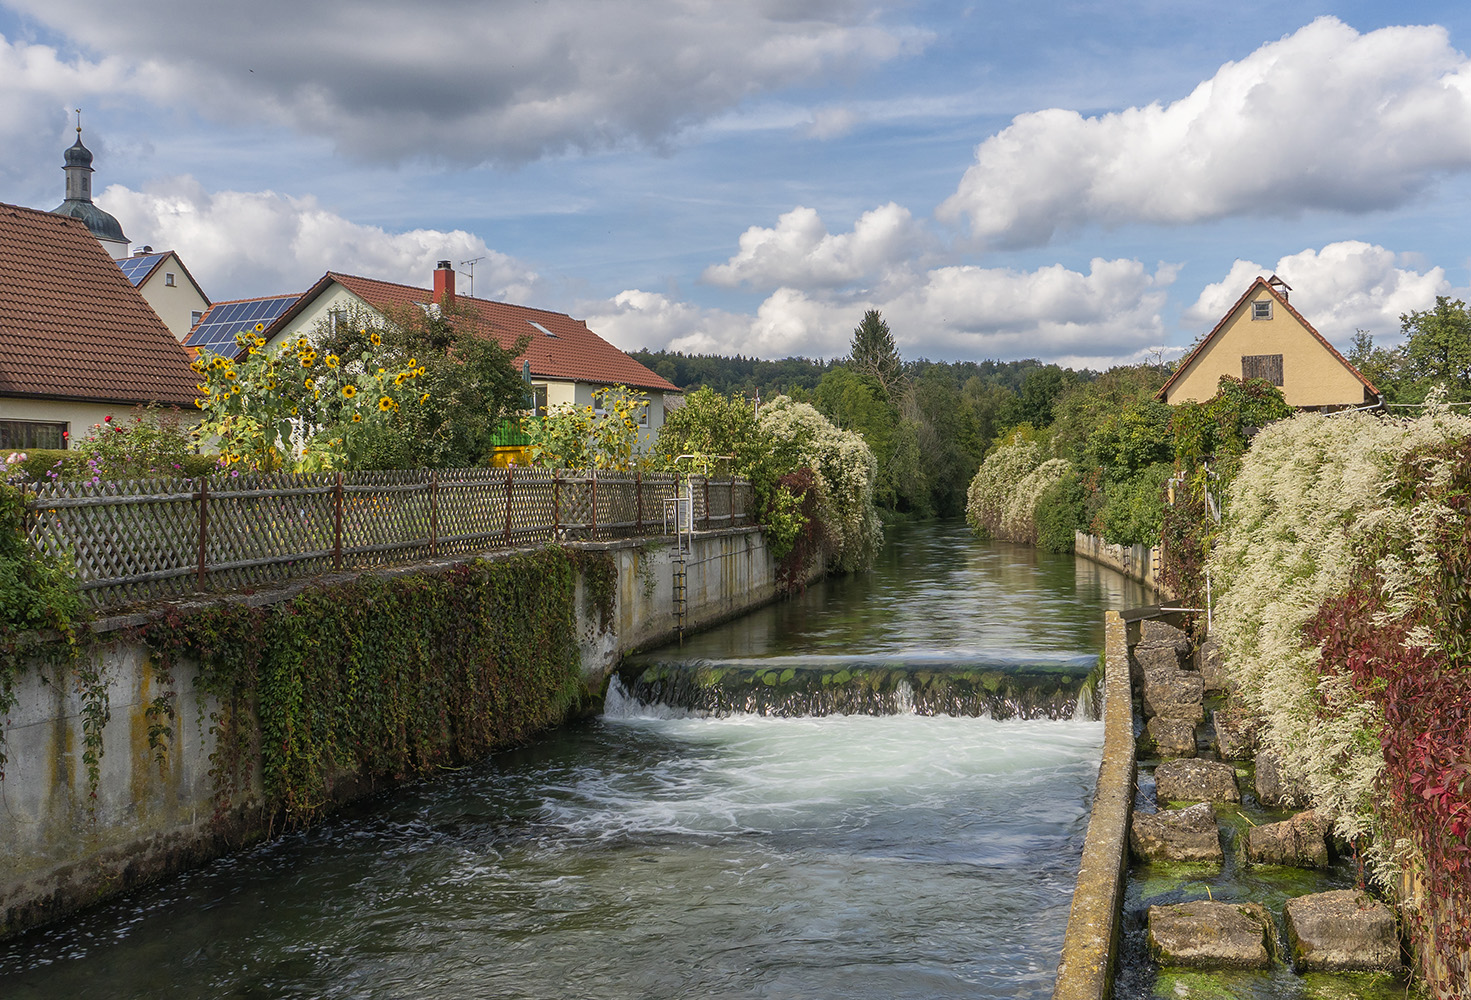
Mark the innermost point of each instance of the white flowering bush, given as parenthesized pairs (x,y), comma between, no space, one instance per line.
(1019,517)
(989,502)
(845,471)
(1312,496)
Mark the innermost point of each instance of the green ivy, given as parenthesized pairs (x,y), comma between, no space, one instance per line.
(382,678)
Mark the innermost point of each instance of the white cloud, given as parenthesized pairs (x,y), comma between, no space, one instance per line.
(800,252)
(238,243)
(1325,118)
(467,82)
(832,123)
(1341,288)
(1108,314)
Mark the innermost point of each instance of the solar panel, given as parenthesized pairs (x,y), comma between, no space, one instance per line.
(217,328)
(135,269)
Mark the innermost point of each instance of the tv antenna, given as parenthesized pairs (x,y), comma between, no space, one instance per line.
(471,265)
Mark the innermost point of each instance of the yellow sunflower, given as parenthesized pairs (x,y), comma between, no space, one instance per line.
(357,418)
(424,398)
(399,378)
(412,362)
(349,391)
(375,338)
(330,361)
(386,403)
(259,327)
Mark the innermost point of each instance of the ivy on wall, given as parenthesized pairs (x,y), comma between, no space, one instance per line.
(381,677)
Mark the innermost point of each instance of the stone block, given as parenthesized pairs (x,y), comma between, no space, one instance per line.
(1178,696)
(1301,841)
(1153,632)
(1191,780)
(1177,835)
(1156,661)
(1236,734)
(1342,931)
(1210,935)
(1172,737)
(1274,787)
(1208,664)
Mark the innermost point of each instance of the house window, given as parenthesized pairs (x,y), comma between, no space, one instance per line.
(539,400)
(16,434)
(194,317)
(168,278)
(1261,309)
(1267,367)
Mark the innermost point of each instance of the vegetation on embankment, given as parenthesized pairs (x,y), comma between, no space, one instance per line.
(1343,611)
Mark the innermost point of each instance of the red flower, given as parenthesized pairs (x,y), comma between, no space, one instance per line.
(107,419)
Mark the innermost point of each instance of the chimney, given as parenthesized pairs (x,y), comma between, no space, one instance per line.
(444,285)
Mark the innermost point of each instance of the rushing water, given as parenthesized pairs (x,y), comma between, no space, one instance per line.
(651,853)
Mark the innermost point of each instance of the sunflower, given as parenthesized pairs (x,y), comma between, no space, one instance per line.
(330,361)
(420,370)
(386,403)
(424,398)
(259,327)
(399,378)
(357,418)
(199,403)
(309,384)
(375,338)
(230,374)
(349,391)
(218,362)
(412,362)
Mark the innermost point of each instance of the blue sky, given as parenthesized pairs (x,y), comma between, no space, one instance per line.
(1081,182)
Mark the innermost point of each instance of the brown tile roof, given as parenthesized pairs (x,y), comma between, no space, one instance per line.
(1261,282)
(571,353)
(71,324)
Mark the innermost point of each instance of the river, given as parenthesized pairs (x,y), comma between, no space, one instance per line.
(656,853)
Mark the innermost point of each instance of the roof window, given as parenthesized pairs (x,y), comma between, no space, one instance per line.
(541,328)
(1261,309)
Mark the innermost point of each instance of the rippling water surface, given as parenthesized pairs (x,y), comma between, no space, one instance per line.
(649,854)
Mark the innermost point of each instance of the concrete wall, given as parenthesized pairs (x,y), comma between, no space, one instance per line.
(64,849)
(1137,562)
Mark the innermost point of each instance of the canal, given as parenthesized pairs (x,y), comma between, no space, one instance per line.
(659,852)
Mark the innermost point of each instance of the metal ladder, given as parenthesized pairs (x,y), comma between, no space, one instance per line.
(683,508)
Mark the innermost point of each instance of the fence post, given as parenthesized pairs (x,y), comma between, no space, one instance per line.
(434,513)
(203,526)
(556,503)
(706,482)
(337,523)
(593,532)
(730,518)
(638,499)
(510,481)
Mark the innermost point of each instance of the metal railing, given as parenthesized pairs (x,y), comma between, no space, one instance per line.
(154,539)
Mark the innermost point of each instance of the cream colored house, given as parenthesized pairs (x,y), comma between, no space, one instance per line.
(166,285)
(1262,336)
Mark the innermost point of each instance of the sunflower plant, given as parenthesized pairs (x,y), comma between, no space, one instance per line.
(299,407)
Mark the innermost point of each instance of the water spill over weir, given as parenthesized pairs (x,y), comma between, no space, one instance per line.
(658,852)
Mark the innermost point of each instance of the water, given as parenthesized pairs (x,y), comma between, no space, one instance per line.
(655,854)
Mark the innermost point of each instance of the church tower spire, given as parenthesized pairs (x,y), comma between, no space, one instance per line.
(77,165)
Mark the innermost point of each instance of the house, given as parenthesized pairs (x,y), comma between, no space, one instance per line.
(166,285)
(77,340)
(567,361)
(1263,336)
(216,329)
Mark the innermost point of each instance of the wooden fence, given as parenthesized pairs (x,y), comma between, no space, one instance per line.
(152,539)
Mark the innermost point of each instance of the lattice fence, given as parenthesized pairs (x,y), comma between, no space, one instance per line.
(151,539)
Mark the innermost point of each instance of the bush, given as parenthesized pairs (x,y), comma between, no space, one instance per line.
(995,484)
(1061,512)
(35,593)
(1134,508)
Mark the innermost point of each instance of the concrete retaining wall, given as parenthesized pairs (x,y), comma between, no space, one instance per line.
(63,849)
(1137,562)
(1091,944)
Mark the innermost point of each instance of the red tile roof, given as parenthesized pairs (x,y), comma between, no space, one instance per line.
(572,352)
(1261,282)
(71,324)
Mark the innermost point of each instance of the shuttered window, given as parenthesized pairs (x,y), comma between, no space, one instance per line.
(1267,367)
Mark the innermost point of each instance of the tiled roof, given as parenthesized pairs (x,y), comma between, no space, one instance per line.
(1261,282)
(72,326)
(140,267)
(561,348)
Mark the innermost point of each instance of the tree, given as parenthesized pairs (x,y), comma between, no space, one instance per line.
(875,356)
(1437,350)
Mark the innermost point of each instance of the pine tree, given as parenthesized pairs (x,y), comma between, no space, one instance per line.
(875,355)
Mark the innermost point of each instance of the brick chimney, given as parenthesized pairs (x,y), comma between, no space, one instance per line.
(444,285)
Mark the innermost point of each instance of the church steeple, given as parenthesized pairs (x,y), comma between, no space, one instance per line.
(78,204)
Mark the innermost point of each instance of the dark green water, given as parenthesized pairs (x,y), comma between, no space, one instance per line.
(654,854)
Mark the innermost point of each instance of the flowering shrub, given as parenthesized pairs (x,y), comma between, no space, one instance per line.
(844,470)
(989,501)
(1343,617)
(604,436)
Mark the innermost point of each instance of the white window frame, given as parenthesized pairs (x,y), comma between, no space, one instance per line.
(1261,309)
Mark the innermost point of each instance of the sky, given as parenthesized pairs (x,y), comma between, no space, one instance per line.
(1089,183)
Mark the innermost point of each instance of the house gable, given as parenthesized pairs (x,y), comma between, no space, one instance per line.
(1263,336)
(167,286)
